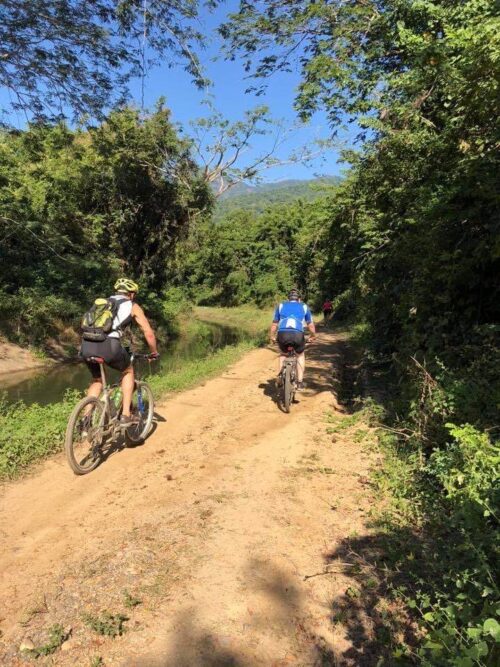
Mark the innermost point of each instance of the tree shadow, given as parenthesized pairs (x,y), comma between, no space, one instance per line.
(193,646)
(275,610)
(374,621)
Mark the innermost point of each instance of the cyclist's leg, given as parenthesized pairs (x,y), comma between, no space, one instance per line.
(301,366)
(127,383)
(95,388)
(281,339)
(300,346)
(92,349)
(119,359)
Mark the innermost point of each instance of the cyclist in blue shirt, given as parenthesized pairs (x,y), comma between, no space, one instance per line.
(289,319)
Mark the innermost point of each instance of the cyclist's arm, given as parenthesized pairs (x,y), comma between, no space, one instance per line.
(310,324)
(142,321)
(275,322)
(273,329)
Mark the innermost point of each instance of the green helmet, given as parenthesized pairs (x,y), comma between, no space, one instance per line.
(126,285)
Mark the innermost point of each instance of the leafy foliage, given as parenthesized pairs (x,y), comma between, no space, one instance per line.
(79,207)
(57,636)
(107,624)
(411,246)
(247,257)
(60,56)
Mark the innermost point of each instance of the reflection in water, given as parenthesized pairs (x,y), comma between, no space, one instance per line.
(49,385)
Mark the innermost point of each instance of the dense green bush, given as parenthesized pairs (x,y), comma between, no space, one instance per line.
(80,207)
(450,505)
(249,257)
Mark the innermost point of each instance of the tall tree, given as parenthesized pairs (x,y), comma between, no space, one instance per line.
(64,56)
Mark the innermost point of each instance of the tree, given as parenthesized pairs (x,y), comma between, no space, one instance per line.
(221,147)
(59,56)
(385,57)
(78,207)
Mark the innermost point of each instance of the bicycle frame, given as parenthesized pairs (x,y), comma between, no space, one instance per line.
(105,397)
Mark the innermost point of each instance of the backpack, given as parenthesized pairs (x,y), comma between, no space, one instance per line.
(98,320)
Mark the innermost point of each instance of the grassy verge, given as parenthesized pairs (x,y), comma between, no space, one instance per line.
(193,372)
(30,433)
(251,319)
(433,546)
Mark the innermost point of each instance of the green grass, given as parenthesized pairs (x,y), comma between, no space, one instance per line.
(193,372)
(31,432)
(57,636)
(108,625)
(28,433)
(251,319)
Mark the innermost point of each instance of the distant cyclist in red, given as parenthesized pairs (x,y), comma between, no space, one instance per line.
(327,310)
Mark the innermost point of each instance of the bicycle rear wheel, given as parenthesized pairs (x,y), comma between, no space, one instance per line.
(287,388)
(84,435)
(142,410)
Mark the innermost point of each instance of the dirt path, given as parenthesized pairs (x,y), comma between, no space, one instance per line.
(214,524)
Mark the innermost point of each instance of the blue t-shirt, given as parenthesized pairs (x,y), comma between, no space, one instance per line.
(291,316)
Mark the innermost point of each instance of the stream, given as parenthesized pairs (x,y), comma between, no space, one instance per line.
(48,385)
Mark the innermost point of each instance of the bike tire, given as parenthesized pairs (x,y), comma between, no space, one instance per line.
(287,388)
(82,466)
(139,432)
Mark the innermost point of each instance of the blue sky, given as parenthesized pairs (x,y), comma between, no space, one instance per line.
(228,94)
(229,97)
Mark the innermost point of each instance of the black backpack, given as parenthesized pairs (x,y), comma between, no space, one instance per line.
(98,320)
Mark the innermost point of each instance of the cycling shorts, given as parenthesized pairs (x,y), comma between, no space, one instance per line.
(111,350)
(290,338)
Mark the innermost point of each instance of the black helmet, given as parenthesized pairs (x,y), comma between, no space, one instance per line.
(293,295)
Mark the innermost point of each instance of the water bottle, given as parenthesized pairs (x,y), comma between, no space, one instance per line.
(140,402)
(115,402)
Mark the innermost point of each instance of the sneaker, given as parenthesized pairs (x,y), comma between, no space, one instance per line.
(279,380)
(127,420)
(300,386)
(84,426)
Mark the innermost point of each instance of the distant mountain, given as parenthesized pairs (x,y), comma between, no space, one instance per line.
(259,197)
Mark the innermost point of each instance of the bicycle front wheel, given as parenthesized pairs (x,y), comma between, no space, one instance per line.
(142,412)
(84,435)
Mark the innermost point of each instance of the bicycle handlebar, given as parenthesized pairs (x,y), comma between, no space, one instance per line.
(149,357)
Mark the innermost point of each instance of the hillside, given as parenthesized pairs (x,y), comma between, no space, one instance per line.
(259,197)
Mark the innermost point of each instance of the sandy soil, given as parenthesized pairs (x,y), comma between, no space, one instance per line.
(234,524)
(14,358)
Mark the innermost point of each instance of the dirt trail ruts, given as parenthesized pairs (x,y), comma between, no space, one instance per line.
(216,524)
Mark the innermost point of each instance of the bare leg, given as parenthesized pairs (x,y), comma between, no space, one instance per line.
(127,383)
(95,388)
(301,366)
(95,391)
(282,361)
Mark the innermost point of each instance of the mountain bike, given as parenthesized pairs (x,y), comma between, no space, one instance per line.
(94,425)
(288,378)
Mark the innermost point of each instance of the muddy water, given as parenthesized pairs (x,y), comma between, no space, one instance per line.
(49,385)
